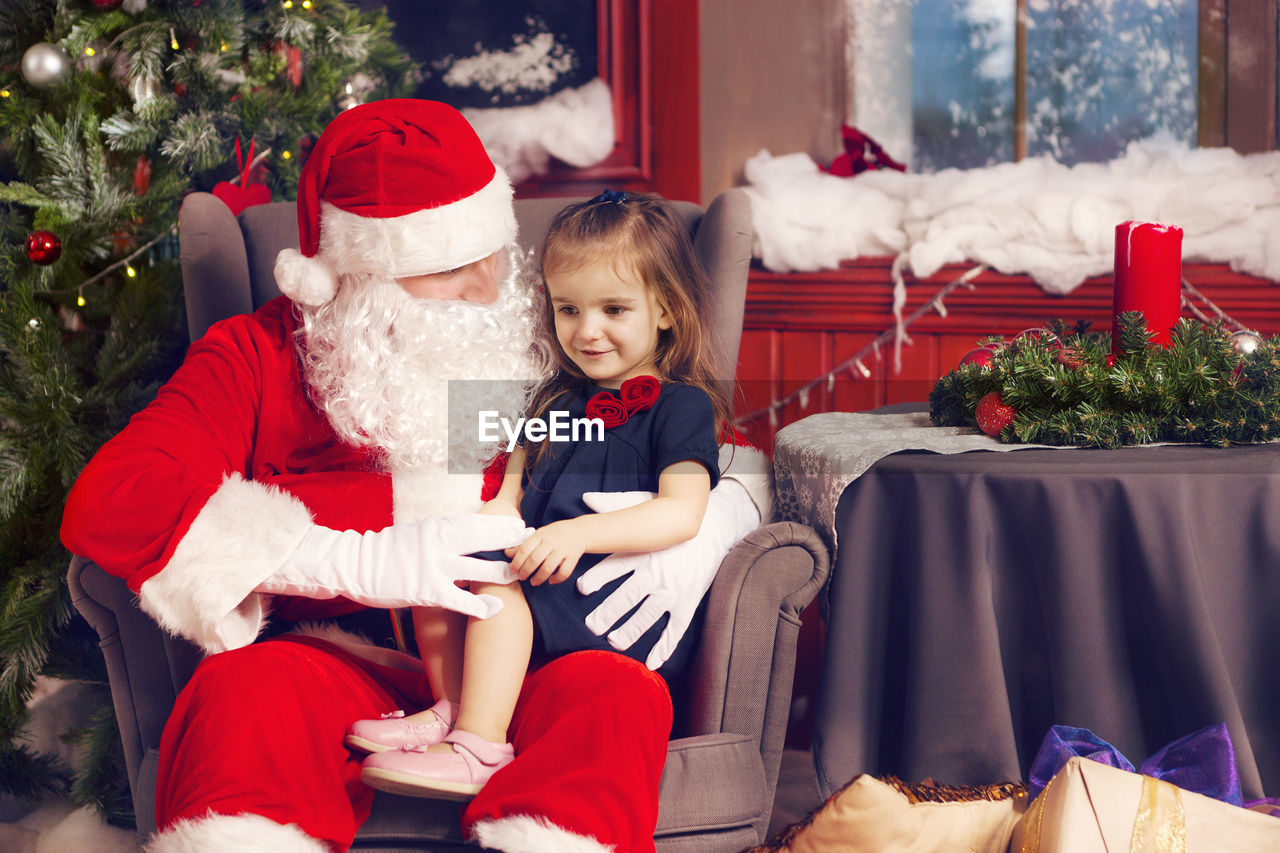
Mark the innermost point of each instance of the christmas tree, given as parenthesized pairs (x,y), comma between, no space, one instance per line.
(110,111)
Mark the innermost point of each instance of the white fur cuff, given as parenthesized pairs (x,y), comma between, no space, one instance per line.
(528,834)
(239,539)
(243,833)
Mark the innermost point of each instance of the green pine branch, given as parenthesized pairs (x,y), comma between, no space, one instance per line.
(1069,389)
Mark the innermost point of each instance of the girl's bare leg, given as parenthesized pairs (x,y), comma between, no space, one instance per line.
(495,659)
(440,634)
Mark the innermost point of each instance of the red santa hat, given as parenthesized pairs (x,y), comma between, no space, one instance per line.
(401,187)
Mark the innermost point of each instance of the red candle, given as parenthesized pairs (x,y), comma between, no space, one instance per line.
(1148,277)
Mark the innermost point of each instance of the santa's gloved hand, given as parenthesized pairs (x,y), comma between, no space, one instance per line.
(672,580)
(404,565)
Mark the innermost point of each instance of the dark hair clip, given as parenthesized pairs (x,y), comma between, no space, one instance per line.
(609,195)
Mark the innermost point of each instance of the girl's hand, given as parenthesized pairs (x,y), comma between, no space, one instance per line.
(549,555)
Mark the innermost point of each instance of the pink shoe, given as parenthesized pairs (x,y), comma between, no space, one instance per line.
(458,775)
(392,732)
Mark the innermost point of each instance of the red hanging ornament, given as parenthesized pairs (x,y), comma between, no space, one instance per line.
(292,62)
(142,175)
(992,414)
(107,5)
(43,247)
(246,194)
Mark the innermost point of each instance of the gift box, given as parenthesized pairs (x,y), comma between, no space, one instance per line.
(1088,806)
(871,815)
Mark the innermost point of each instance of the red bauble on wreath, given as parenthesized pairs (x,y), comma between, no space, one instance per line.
(107,5)
(980,356)
(43,247)
(992,414)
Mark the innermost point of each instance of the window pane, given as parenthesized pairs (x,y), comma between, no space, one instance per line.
(1102,73)
(962,83)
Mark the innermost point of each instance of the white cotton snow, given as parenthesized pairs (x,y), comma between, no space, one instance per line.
(534,63)
(573,125)
(1051,222)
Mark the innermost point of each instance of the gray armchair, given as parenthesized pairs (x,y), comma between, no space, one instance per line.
(722,767)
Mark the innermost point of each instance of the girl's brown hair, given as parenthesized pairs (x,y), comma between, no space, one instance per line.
(644,234)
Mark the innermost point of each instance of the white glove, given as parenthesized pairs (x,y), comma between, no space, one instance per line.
(674,579)
(404,565)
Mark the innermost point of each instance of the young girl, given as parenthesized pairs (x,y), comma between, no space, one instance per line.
(625,297)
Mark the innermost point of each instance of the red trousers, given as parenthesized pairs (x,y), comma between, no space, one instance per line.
(260,730)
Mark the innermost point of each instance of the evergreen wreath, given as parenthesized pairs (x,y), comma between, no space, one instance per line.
(1061,386)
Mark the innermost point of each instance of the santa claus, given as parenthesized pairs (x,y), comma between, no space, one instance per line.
(297,467)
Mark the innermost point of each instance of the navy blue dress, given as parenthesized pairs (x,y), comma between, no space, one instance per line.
(680,426)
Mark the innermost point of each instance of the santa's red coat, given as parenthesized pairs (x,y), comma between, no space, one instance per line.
(203,496)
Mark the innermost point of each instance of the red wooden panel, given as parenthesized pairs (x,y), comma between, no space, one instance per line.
(853,390)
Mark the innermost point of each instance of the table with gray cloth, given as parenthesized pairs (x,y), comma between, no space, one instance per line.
(979,598)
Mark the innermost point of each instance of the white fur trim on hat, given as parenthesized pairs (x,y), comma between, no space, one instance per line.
(426,241)
(240,537)
(308,281)
(529,834)
(243,833)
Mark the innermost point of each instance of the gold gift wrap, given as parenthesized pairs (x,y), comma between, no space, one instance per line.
(1089,807)
(871,815)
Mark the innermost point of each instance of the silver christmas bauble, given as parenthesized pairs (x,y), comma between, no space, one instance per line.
(143,89)
(1245,341)
(44,65)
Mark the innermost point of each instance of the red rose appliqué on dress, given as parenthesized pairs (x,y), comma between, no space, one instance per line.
(635,395)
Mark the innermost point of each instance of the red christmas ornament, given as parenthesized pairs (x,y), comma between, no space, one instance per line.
(43,247)
(142,175)
(980,356)
(107,5)
(292,62)
(246,194)
(1044,336)
(1069,358)
(992,414)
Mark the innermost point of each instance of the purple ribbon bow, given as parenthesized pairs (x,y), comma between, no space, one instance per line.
(1203,761)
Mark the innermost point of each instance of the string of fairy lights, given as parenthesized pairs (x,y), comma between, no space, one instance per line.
(126,262)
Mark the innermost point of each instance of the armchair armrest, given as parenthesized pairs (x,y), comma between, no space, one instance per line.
(146,667)
(742,677)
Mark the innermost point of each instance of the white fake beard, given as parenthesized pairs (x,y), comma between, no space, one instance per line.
(378,362)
